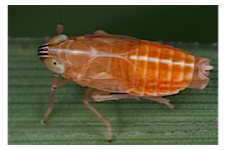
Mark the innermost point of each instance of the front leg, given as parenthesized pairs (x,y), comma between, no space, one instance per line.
(55,84)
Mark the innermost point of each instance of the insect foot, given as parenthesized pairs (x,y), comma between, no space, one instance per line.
(43,122)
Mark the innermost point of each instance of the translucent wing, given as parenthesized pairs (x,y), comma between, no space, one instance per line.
(113,43)
(113,74)
(110,43)
(109,69)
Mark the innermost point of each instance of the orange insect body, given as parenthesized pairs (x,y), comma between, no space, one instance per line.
(121,64)
(111,64)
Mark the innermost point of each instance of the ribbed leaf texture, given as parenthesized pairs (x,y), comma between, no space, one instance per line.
(193,122)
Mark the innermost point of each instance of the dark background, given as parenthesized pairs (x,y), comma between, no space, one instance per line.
(158,23)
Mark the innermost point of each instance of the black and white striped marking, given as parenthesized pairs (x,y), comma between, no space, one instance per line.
(43,50)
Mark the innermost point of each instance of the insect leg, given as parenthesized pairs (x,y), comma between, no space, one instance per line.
(55,84)
(86,97)
(161,100)
(100,32)
(99,96)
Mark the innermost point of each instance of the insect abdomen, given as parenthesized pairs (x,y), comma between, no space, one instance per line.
(162,69)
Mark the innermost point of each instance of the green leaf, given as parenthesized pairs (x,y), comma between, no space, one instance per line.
(193,122)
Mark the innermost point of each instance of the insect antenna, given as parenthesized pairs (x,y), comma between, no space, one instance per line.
(61,12)
(60,27)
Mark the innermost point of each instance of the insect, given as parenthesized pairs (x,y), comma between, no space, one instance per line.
(114,67)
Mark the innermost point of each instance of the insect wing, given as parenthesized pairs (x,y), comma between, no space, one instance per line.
(113,43)
(110,69)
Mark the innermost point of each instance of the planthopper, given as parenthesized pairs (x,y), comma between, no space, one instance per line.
(116,67)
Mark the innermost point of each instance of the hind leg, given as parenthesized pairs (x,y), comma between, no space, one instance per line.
(160,100)
(99,96)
